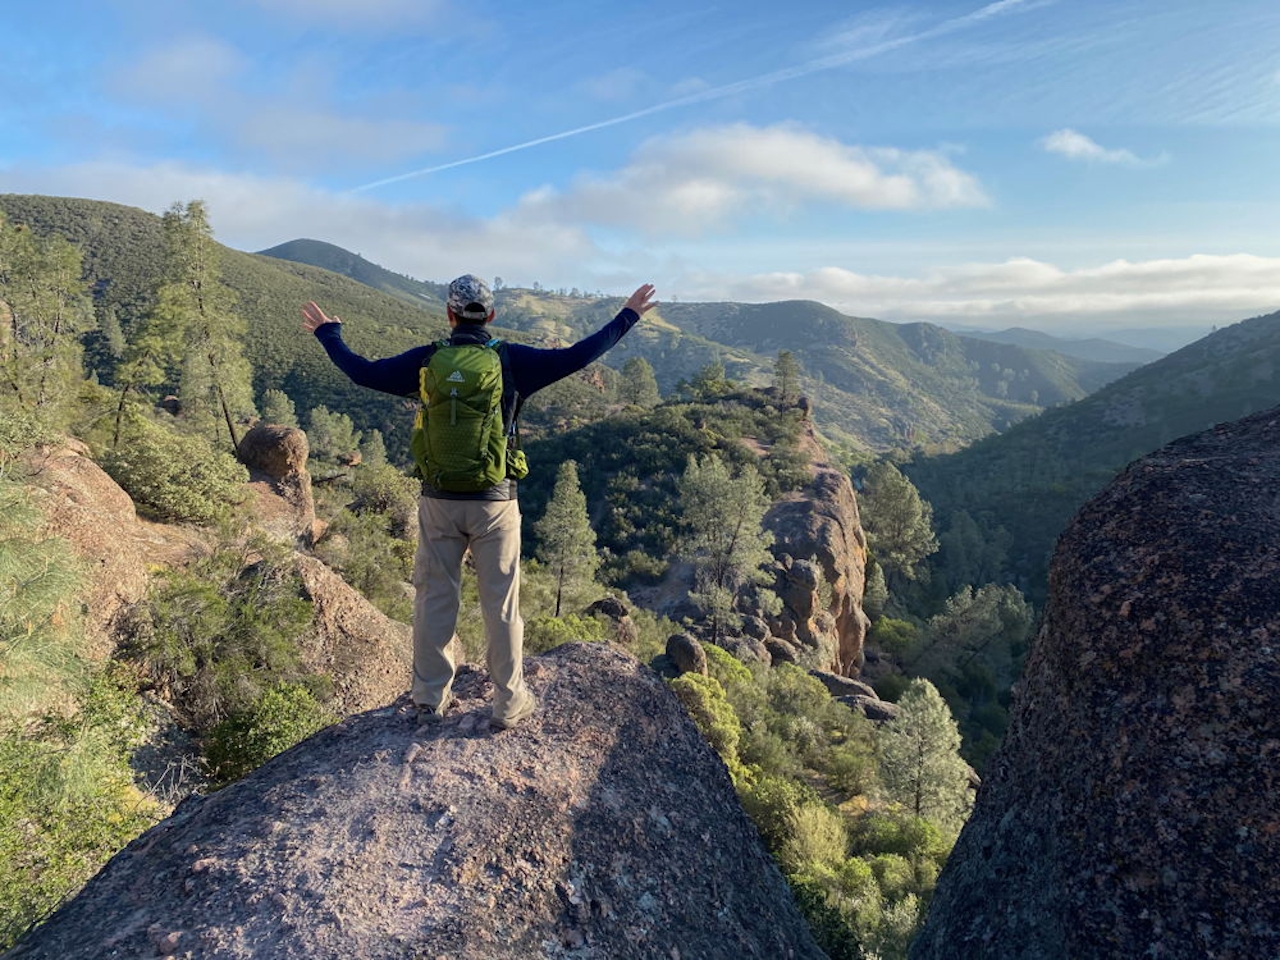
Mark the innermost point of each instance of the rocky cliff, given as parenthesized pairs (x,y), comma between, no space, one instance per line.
(1131,811)
(822,594)
(602,827)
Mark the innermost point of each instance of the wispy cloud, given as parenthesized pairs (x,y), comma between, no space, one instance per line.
(843,57)
(701,181)
(1076,146)
(359,15)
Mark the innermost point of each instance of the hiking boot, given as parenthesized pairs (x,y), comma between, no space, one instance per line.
(506,723)
(425,715)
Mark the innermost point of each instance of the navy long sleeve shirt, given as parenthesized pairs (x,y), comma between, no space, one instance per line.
(531,368)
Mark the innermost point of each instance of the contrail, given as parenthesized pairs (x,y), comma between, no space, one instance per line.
(829,62)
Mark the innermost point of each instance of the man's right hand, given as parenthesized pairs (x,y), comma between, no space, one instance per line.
(313,317)
(642,300)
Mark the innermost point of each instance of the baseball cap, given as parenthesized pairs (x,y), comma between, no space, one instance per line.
(470,298)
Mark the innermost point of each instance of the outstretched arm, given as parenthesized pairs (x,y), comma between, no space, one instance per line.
(534,369)
(397,375)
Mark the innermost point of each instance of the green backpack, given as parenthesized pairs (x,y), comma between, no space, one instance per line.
(459,441)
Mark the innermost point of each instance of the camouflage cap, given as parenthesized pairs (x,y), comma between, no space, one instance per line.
(470,298)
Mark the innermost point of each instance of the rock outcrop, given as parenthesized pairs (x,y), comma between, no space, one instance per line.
(1131,811)
(277,460)
(84,506)
(602,827)
(819,540)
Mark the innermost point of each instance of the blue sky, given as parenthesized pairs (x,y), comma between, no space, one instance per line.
(1079,167)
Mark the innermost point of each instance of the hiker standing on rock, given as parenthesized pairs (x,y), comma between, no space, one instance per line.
(467,453)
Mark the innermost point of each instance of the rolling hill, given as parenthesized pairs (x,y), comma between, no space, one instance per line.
(1094,348)
(877,385)
(1031,479)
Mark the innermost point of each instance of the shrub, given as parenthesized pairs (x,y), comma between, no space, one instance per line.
(177,477)
(704,698)
(544,633)
(816,837)
(67,801)
(283,716)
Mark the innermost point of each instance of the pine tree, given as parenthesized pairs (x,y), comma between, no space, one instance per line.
(639,386)
(721,515)
(44,308)
(566,542)
(215,380)
(920,764)
(898,522)
(278,408)
(786,377)
(331,436)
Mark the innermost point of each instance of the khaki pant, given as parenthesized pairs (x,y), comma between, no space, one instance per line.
(446,530)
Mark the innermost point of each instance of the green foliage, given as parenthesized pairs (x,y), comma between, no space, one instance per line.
(215,381)
(707,704)
(786,377)
(369,550)
(566,543)
(898,638)
(177,477)
(67,800)
(637,384)
(920,765)
(898,523)
(44,308)
(277,408)
(213,639)
(722,536)
(283,715)
(331,437)
(544,633)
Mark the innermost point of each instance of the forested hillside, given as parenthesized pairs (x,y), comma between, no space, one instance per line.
(1016,492)
(877,385)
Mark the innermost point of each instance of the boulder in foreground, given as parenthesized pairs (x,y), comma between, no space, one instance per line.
(602,827)
(1131,811)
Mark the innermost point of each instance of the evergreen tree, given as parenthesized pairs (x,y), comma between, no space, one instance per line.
(278,408)
(721,516)
(786,377)
(566,542)
(898,522)
(331,436)
(920,764)
(215,381)
(639,386)
(44,308)
(373,450)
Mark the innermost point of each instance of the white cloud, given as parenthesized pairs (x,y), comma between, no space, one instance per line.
(1199,288)
(524,244)
(204,81)
(254,212)
(1076,146)
(696,182)
(186,70)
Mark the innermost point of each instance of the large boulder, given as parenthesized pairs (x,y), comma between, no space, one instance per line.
(277,460)
(601,827)
(1131,811)
(81,504)
(819,530)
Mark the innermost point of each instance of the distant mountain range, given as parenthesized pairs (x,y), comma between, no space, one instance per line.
(1094,348)
(1031,479)
(877,384)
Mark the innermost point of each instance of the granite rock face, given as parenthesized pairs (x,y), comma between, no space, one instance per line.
(1132,809)
(601,828)
(822,550)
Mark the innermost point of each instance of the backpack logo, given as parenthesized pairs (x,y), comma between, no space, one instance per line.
(456,377)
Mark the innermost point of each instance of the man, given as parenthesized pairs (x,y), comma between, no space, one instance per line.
(486,522)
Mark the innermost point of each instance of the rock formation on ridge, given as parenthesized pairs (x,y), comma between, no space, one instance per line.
(1131,811)
(818,537)
(603,828)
